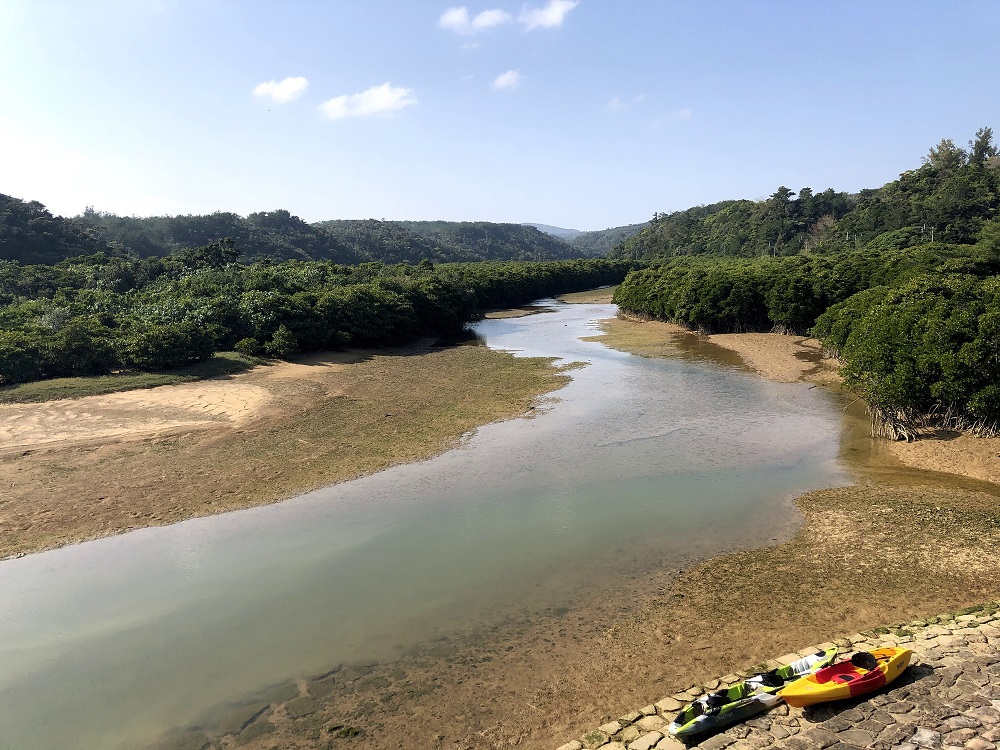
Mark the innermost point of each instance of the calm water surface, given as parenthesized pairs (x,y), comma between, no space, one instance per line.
(640,463)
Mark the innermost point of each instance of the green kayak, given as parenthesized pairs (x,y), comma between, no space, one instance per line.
(718,710)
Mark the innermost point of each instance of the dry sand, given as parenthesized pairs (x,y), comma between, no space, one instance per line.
(785,359)
(131,415)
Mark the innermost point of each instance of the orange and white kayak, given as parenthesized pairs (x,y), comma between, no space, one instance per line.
(862,673)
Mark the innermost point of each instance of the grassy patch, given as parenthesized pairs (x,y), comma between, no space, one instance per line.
(601,296)
(970,610)
(223,363)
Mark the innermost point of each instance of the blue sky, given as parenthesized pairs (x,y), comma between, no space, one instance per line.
(583,114)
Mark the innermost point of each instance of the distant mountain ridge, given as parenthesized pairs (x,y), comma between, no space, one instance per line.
(592,243)
(566,234)
(29,233)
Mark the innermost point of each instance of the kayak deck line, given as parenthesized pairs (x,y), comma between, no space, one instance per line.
(951,688)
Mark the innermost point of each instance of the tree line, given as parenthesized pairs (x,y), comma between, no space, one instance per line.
(912,311)
(100,313)
(947,200)
(30,234)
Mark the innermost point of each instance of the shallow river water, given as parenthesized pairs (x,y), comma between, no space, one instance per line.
(636,463)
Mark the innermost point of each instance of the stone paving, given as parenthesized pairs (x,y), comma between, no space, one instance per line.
(948,699)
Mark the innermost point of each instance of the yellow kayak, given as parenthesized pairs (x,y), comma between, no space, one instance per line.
(862,673)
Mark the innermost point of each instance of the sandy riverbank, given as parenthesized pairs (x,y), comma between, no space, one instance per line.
(84,468)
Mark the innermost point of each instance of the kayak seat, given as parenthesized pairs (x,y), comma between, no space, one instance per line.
(844,677)
(717,700)
(771,679)
(865,660)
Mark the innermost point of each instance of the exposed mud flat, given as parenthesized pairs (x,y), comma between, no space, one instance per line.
(101,465)
(866,556)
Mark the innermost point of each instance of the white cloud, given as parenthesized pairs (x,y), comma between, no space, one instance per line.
(509,80)
(459,20)
(549,17)
(377,100)
(286,90)
(490,18)
(456,19)
(616,104)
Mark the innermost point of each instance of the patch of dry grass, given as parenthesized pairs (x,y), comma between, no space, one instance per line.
(600,296)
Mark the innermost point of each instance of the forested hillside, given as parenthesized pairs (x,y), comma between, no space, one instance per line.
(281,236)
(781,225)
(100,313)
(270,234)
(31,234)
(902,285)
(946,199)
(483,240)
(603,241)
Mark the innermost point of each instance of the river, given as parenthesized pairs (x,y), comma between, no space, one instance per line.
(635,463)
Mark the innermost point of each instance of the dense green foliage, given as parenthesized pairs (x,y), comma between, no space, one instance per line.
(780,225)
(30,234)
(788,294)
(929,347)
(902,286)
(101,313)
(483,240)
(945,200)
(603,241)
(271,234)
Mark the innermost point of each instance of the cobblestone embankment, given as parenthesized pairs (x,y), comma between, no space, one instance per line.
(948,699)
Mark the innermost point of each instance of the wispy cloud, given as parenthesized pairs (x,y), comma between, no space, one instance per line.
(550,16)
(378,100)
(461,21)
(286,90)
(509,80)
(617,104)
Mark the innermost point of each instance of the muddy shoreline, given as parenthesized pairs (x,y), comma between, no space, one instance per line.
(539,676)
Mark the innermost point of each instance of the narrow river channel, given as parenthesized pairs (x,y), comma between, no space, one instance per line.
(636,463)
